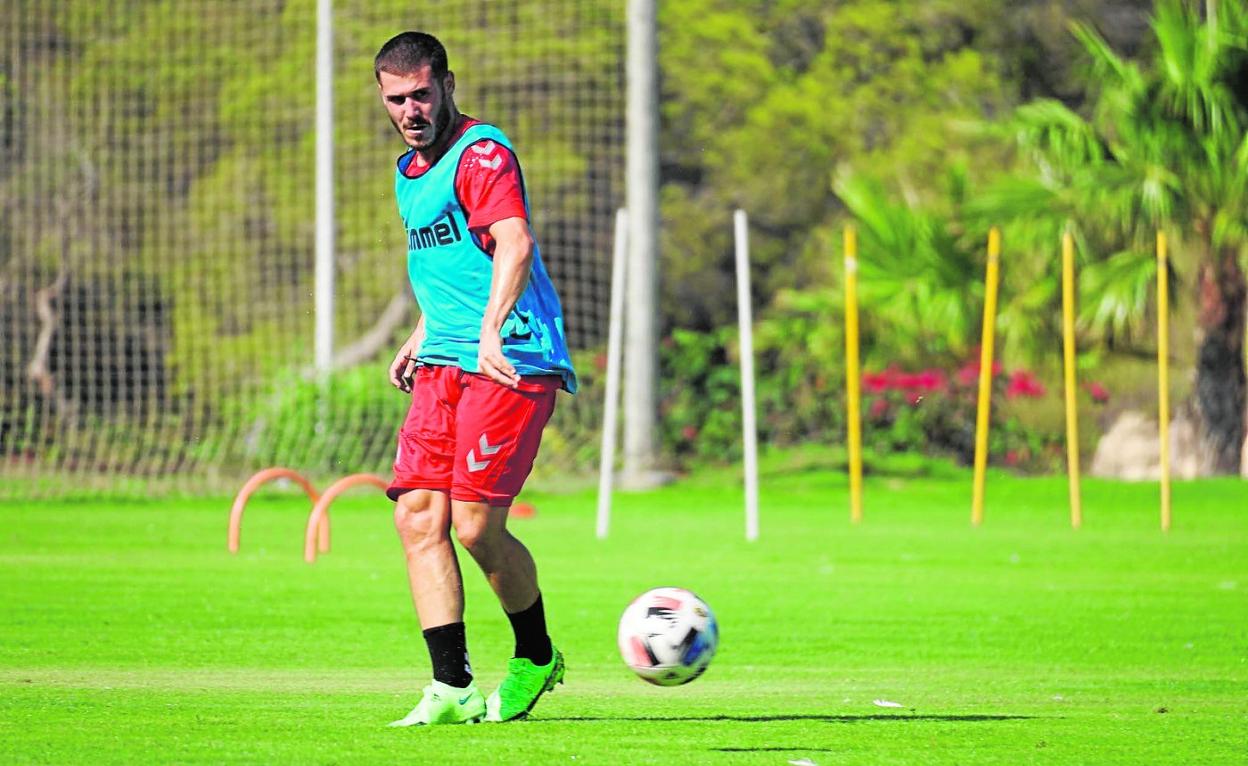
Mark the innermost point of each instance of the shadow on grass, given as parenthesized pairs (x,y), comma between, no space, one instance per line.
(897,718)
(773,750)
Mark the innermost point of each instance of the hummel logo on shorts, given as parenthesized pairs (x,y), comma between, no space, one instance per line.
(469,436)
(487,449)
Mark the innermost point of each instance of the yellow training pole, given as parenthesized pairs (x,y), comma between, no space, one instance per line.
(1072,413)
(1163,375)
(985,374)
(853,378)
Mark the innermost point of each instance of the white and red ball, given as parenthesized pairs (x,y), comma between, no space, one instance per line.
(668,636)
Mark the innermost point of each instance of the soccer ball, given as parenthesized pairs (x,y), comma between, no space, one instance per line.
(668,636)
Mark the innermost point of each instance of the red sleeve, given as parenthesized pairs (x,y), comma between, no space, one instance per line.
(489,187)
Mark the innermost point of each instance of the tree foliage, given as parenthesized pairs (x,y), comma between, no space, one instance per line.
(182,161)
(171,143)
(1163,145)
(763,100)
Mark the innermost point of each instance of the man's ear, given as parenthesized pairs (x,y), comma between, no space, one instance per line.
(448,84)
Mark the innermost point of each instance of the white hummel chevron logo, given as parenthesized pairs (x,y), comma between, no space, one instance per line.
(491,164)
(487,449)
(487,148)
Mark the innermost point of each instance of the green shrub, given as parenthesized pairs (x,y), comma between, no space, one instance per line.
(346,424)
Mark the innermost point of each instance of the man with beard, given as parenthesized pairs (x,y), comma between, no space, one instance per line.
(482,367)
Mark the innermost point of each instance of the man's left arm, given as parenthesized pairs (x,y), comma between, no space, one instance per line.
(513,261)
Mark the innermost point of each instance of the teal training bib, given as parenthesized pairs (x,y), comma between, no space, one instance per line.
(450,275)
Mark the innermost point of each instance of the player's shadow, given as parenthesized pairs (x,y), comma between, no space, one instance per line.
(773,749)
(864,718)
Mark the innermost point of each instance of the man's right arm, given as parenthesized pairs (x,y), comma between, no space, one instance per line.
(404,364)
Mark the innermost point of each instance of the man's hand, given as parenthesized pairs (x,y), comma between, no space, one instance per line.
(404,365)
(492,363)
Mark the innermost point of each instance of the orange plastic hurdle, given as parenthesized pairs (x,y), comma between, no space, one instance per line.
(259,480)
(320,512)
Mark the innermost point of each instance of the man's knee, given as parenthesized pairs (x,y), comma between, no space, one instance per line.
(419,519)
(478,536)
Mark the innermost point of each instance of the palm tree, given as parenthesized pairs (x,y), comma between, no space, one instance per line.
(1163,147)
(922,275)
(916,275)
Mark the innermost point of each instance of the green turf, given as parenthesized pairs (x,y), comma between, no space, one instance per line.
(130,635)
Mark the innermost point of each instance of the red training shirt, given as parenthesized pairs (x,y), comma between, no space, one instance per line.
(487,182)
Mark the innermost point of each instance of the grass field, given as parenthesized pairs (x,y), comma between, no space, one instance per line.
(130,635)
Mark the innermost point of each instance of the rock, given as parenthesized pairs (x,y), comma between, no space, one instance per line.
(1187,458)
(1129,449)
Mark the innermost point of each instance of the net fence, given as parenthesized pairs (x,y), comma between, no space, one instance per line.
(157,224)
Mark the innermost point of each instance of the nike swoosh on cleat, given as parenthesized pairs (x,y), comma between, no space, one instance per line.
(464,701)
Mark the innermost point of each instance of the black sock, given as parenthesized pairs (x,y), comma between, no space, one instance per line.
(448,649)
(532,643)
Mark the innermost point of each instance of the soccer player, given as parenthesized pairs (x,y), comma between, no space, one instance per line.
(482,367)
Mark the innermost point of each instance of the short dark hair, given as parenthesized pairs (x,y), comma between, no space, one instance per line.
(406,52)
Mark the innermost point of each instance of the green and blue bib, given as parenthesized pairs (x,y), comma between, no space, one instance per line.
(451,274)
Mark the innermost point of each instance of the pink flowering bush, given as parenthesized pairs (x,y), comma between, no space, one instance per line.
(935,411)
(1098,392)
(799,360)
(1023,383)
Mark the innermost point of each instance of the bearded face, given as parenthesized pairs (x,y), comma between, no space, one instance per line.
(420,107)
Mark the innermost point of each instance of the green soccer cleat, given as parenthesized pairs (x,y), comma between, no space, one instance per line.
(445,704)
(524,684)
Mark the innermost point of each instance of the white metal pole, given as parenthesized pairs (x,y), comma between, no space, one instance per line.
(642,328)
(615,337)
(325,223)
(746,323)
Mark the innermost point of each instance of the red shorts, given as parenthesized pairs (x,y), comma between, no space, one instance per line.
(469,436)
